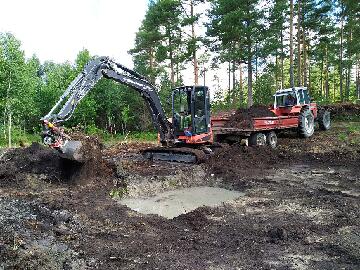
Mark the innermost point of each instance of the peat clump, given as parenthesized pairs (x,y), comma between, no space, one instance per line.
(243,118)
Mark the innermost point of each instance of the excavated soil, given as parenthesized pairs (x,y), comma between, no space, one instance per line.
(343,110)
(242,118)
(18,164)
(301,209)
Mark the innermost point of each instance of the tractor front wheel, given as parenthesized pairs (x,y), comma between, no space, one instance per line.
(306,123)
(257,139)
(324,119)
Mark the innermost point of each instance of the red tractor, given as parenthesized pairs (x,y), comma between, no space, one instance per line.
(293,109)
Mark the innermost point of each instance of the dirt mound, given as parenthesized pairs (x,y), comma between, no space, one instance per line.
(343,110)
(94,166)
(235,161)
(221,114)
(35,159)
(49,166)
(243,117)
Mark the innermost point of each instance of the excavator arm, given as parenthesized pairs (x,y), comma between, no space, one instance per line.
(96,69)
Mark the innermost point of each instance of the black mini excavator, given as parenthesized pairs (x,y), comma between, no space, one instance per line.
(183,139)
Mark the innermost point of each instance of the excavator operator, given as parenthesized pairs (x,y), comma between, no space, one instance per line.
(185,122)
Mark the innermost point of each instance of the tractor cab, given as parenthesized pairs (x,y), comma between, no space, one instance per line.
(291,97)
(291,100)
(191,114)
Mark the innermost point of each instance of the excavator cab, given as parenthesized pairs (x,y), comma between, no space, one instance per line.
(191,114)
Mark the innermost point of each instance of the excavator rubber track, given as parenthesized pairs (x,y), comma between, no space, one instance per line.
(175,154)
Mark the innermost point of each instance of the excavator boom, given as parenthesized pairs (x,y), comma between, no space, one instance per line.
(53,133)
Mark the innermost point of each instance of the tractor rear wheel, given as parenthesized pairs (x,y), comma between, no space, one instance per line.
(306,123)
(257,139)
(271,139)
(324,119)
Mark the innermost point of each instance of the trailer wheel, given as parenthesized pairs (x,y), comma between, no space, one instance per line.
(306,123)
(271,139)
(257,139)
(324,119)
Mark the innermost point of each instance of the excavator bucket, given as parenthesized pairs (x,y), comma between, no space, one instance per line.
(72,150)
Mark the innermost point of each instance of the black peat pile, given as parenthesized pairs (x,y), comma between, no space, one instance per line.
(343,110)
(242,118)
(233,163)
(16,165)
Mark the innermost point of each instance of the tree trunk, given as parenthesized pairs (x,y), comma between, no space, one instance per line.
(322,77)
(292,84)
(309,84)
(195,61)
(229,94)
(233,83)
(341,53)
(299,83)
(334,86)
(256,62)
(204,75)
(171,55)
(152,73)
(326,73)
(358,79)
(177,72)
(348,78)
(282,60)
(305,60)
(9,128)
(276,71)
(250,72)
(8,110)
(240,84)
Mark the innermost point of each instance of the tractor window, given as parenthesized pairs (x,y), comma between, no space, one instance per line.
(301,96)
(280,100)
(287,99)
(199,111)
(306,97)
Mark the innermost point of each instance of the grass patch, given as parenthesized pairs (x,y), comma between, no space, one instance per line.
(346,118)
(350,133)
(118,193)
(18,138)
(131,137)
(145,136)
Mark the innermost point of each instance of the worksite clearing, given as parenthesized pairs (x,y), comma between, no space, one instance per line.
(293,207)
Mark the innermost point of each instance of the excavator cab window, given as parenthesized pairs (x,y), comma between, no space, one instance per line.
(191,110)
(201,110)
(182,117)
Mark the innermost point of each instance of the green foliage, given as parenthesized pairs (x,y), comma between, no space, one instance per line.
(19,137)
(264,88)
(118,193)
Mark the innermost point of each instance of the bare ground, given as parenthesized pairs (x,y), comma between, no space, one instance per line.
(301,210)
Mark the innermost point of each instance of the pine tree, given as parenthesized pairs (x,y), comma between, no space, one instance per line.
(238,27)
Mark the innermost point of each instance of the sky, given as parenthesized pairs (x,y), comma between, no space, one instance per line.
(58,30)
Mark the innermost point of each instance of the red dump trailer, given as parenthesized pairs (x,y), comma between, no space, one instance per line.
(263,129)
